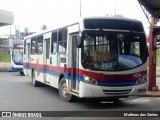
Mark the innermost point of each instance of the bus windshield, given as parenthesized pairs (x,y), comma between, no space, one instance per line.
(17,54)
(113,51)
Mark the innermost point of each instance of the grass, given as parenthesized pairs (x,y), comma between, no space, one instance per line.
(158,58)
(4,56)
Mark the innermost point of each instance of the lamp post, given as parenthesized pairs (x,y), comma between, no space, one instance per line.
(80,9)
(115,7)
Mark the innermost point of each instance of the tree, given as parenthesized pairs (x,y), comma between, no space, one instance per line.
(43,27)
(118,15)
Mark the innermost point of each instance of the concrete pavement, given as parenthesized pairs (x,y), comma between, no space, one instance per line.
(154,93)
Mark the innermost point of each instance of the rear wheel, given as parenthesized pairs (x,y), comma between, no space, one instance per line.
(21,73)
(63,92)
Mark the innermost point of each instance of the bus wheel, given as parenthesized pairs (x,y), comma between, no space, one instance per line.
(34,82)
(21,73)
(64,95)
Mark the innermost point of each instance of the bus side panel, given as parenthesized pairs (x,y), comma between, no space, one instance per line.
(32,65)
(54,75)
(39,68)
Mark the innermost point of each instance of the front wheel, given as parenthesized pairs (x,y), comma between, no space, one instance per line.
(63,92)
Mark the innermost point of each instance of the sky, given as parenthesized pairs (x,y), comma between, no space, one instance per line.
(56,13)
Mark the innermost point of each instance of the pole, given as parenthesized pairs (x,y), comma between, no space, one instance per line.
(115,7)
(152,57)
(80,8)
(10,30)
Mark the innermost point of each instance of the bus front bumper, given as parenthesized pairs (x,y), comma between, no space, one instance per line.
(92,91)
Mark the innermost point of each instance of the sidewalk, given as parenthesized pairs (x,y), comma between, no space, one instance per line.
(154,93)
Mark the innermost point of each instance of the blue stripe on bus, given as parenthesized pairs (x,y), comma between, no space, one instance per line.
(119,83)
(14,69)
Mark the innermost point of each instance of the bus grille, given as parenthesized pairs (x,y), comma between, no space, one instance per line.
(117,92)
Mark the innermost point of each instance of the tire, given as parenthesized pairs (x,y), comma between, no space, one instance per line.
(21,73)
(64,95)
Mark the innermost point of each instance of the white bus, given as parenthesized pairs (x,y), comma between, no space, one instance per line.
(94,58)
(17,57)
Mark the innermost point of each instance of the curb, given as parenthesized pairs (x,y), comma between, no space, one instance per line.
(153,94)
(148,95)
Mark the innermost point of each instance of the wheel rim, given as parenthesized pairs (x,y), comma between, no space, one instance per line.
(64,90)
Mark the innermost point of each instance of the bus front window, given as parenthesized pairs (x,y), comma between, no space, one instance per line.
(113,51)
(99,51)
(17,56)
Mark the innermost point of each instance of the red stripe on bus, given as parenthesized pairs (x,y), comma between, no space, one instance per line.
(98,76)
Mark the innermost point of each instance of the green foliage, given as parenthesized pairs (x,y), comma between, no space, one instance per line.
(158,58)
(3,41)
(5,56)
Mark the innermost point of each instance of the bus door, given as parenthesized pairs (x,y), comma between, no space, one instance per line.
(46,60)
(74,64)
(28,45)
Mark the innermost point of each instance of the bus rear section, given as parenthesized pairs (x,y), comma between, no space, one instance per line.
(95,58)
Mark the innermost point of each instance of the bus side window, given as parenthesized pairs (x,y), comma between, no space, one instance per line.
(33,45)
(62,41)
(54,42)
(24,49)
(40,44)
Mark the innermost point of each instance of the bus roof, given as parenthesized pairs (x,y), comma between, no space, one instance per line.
(113,18)
(81,20)
(48,30)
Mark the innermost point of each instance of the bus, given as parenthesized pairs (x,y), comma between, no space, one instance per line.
(97,57)
(17,57)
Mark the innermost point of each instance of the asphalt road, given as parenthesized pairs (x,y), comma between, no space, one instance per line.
(18,94)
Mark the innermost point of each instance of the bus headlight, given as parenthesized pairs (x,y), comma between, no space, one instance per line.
(90,80)
(141,80)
